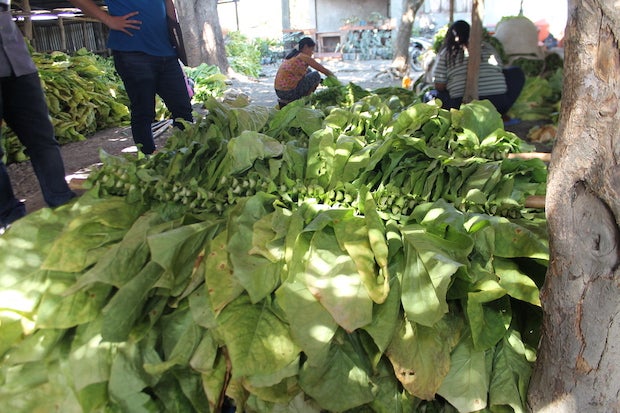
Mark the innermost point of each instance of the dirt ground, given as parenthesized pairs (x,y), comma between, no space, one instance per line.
(81,157)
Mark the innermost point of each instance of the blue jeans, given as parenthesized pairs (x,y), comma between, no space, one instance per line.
(23,108)
(515,80)
(145,76)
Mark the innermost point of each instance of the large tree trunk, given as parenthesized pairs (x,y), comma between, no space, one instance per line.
(578,367)
(204,41)
(403,36)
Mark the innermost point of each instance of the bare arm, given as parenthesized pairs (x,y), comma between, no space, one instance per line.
(440,86)
(316,65)
(170,10)
(120,23)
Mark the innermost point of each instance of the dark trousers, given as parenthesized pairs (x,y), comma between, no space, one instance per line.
(145,76)
(515,80)
(305,87)
(24,109)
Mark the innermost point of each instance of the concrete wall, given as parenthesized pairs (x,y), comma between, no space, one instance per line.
(333,13)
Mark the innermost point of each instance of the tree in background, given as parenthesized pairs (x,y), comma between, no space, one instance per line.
(401,47)
(204,41)
(578,366)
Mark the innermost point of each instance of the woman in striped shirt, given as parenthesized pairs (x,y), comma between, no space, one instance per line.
(499,85)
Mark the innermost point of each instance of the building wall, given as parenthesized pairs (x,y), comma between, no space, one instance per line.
(333,13)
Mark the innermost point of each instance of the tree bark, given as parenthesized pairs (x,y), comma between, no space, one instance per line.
(204,41)
(578,362)
(401,47)
(474,50)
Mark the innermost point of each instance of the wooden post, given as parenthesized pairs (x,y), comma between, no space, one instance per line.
(28,20)
(451,12)
(63,34)
(473,47)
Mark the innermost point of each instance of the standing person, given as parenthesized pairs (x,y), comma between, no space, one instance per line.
(145,60)
(294,78)
(24,109)
(499,85)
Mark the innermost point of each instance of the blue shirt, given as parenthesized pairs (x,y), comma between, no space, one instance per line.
(152,38)
(15,58)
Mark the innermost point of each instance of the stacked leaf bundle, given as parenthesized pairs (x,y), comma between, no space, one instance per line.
(83,93)
(287,260)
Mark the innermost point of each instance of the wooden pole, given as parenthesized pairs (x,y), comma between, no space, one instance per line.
(28,20)
(63,34)
(451,12)
(473,47)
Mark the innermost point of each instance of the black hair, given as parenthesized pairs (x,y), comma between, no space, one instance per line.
(456,41)
(306,41)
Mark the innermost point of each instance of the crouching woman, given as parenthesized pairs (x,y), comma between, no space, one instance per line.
(294,78)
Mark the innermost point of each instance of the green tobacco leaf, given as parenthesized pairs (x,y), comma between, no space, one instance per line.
(321,153)
(221,285)
(478,120)
(332,276)
(90,358)
(345,146)
(125,259)
(259,275)
(488,313)
(311,325)
(128,380)
(516,283)
(127,305)
(506,239)
(412,118)
(251,117)
(34,347)
(467,383)
(177,250)
(214,381)
(59,310)
(24,246)
(257,340)
(427,275)
(87,237)
(386,317)
(421,355)
(389,396)
(36,387)
(511,374)
(299,404)
(201,307)
(180,338)
(354,235)
(250,146)
(344,370)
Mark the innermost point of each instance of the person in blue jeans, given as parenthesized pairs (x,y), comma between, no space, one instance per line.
(23,108)
(145,60)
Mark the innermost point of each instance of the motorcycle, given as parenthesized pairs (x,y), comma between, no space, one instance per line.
(417,47)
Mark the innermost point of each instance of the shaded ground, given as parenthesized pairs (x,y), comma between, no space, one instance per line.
(79,157)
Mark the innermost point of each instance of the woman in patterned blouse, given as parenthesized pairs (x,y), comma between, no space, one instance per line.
(294,78)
